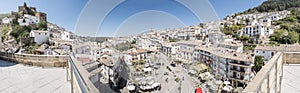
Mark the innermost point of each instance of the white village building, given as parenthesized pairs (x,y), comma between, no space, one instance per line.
(39,36)
(67,36)
(6,20)
(28,20)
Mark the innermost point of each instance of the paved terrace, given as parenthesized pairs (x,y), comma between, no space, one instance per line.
(280,75)
(17,78)
(291,78)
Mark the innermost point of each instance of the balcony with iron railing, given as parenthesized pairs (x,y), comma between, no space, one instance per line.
(238,63)
(235,69)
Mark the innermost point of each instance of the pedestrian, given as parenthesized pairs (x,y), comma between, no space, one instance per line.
(166,80)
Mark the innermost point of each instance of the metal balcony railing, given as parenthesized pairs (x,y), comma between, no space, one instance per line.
(79,77)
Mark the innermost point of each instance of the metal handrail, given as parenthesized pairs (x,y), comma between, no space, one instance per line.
(81,76)
(78,76)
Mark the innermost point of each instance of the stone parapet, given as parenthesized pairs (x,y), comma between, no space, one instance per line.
(36,60)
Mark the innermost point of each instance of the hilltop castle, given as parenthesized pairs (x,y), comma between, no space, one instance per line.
(25,10)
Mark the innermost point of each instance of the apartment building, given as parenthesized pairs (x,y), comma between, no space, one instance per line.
(227,63)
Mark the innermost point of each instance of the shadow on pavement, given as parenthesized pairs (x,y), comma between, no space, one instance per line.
(6,63)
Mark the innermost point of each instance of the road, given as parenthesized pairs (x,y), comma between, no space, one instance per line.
(187,85)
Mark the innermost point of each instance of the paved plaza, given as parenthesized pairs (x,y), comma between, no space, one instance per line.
(17,78)
(291,79)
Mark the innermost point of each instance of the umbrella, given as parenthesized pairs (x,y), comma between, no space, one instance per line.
(230,87)
(226,82)
(192,71)
(238,89)
(147,87)
(147,65)
(147,69)
(151,82)
(206,73)
(155,84)
(131,87)
(218,82)
(226,88)
(142,87)
(144,82)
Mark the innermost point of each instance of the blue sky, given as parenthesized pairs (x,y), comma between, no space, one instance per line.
(129,17)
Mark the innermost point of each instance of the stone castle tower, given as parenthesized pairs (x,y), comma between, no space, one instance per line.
(31,11)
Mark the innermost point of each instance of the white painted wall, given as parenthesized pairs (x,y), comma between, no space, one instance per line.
(39,36)
(6,20)
(27,20)
(66,36)
(267,55)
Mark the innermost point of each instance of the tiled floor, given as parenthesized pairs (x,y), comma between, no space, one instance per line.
(17,78)
(291,79)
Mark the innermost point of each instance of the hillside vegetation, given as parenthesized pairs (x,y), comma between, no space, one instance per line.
(274,5)
(289,25)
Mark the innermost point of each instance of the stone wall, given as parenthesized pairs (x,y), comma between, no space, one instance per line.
(292,57)
(36,60)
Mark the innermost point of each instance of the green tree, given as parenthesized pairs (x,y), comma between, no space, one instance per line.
(258,63)
(245,38)
(172,39)
(286,26)
(4,30)
(42,25)
(278,36)
(293,37)
(187,37)
(274,5)
(247,20)
(133,41)
(19,32)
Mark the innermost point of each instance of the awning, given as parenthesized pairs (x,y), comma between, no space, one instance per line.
(156,84)
(226,82)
